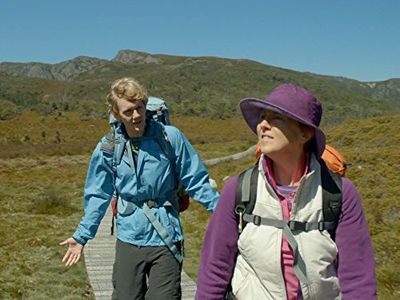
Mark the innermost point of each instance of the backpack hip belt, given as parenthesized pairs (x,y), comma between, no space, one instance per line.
(162,232)
(126,207)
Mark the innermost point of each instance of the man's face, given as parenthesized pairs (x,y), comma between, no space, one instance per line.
(133,115)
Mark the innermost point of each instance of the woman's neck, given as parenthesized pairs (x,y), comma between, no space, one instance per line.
(289,171)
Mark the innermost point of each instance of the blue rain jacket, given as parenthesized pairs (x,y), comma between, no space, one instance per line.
(152,179)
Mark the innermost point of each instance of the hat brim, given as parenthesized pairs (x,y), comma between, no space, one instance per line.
(251,107)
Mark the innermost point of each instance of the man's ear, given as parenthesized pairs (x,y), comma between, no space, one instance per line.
(115,113)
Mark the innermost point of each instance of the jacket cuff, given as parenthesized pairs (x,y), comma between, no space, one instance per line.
(79,240)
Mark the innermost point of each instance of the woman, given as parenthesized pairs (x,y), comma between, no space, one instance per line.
(270,262)
(148,257)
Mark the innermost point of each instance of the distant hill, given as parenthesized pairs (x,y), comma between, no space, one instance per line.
(62,71)
(192,86)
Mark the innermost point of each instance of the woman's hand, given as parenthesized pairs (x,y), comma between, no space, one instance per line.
(73,253)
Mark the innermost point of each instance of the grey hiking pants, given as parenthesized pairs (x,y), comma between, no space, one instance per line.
(149,273)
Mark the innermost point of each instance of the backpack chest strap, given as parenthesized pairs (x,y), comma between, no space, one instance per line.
(288,227)
(298,264)
(292,224)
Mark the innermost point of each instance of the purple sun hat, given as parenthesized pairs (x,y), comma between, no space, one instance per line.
(292,101)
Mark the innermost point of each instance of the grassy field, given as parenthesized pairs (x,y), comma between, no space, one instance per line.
(42,176)
(40,206)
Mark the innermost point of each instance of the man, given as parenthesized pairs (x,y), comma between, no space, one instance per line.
(148,257)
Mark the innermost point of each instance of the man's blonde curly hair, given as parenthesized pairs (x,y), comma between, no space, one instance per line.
(125,88)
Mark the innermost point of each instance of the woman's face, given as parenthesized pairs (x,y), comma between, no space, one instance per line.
(278,134)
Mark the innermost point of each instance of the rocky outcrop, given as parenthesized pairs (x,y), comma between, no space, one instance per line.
(135,57)
(388,89)
(72,68)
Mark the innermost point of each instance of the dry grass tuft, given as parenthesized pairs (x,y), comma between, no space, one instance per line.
(53,202)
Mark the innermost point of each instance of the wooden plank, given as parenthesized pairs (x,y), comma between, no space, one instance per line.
(99,258)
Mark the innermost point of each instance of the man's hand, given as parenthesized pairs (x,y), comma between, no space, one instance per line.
(73,253)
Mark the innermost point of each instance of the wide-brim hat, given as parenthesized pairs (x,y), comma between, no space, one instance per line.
(292,101)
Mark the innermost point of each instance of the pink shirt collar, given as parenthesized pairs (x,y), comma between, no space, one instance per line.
(269,173)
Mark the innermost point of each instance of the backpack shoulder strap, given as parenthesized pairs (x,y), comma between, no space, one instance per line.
(166,145)
(167,148)
(107,143)
(246,194)
(163,233)
(331,197)
(112,145)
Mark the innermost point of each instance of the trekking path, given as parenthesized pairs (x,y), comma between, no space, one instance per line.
(99,259)
(99,252)
(240,155)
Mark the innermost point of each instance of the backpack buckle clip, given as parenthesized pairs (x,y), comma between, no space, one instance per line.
(239,209)
(321,226)
(152,204)
(240,225)
(256,220)
(296,225)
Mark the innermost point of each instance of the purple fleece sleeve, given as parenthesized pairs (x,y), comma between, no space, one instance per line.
(219,248)
(356,269)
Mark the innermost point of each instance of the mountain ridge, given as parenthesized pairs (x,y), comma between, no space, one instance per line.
(129,56)
(191,85)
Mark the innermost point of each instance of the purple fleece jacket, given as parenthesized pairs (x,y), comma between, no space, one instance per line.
(356,269)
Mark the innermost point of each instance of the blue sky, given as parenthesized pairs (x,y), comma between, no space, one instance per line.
(357,39)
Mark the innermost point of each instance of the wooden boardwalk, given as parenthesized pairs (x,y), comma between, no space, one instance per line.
(99,258)
(99,253)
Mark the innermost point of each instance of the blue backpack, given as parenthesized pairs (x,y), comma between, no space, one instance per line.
(157,110)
